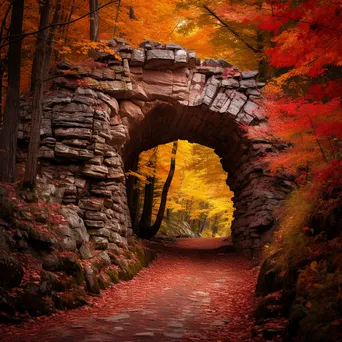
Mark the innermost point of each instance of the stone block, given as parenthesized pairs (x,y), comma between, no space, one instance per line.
(237,102)
(95,215)
(118,134)
(95,171)
(138,57)
(159,59)
(79,119)
(230,83)
(45,152)
(251,108)
(73,132)
(181,59)
(94,223)
(66,151)
(249,74)
(249,83)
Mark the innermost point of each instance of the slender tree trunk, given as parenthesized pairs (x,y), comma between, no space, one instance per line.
(2,71)
(39,63)
(131,188)
(3,59)
(214,228)
(68,18)
(9,131)
(116,19)
(204,224)
(51,37)
(94,20)
(135,218)
(146,231)
(146,216)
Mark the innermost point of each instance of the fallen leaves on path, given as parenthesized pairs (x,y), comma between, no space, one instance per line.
(192,292)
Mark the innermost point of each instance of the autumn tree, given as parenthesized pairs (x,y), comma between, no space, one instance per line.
(144,229)
(94,20)
(304,102)
(38,66)
(9,129)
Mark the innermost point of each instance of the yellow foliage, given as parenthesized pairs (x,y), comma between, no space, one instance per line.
(198,189)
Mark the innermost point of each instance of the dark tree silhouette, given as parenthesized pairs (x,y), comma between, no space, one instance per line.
(144,229)
(9,130)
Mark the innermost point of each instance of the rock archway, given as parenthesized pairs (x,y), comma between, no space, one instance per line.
(98,117)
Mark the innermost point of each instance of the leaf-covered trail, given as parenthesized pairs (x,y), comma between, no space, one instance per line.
(192,292)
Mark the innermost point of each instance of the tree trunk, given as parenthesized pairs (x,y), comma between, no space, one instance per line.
(3,59)
(51,37)
(39,63)
(147,231)
(132,191)
(203,225)
(146,216)
(214,228)
(137,205)
(2,72)
(68,17)
(94,20)
(116,29)
(9,131)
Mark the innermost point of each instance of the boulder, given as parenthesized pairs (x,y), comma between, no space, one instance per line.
(99,243)
(210,62)
(11,272)
(91,280)
(77,225)
(111,102)
(223,63)
(85,252)
(131,111)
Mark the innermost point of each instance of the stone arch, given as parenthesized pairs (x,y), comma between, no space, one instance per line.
(99,116)
(257,193)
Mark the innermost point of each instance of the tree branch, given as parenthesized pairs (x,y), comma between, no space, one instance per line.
(236,34)
(24,35)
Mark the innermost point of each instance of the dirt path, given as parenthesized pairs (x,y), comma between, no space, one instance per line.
(192,292)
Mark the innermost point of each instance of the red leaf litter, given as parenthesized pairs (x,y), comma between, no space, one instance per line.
(194,291)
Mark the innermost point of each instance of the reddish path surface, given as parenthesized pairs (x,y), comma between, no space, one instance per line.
(192,292)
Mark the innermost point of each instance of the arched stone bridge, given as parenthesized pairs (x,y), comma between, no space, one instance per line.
(99,116)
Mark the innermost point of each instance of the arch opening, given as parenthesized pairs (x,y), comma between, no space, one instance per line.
(199,203)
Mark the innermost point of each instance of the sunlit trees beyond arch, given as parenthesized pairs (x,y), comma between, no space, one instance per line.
(198,196)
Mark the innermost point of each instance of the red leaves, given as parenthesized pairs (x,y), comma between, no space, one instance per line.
(176,287)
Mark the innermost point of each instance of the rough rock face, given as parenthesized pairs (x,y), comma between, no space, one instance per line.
(48,258)
(99,117)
